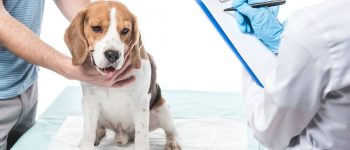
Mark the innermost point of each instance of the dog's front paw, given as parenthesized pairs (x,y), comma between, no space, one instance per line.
(172,144)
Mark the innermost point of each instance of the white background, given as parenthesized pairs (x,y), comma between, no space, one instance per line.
(189,52)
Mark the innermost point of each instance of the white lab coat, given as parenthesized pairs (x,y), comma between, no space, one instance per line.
(306,100)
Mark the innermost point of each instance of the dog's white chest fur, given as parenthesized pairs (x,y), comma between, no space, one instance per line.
(117,105)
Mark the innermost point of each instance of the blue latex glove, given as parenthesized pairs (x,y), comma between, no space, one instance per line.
(262,22)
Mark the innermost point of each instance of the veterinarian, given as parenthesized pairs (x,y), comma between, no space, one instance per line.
(306,100)
(21,51)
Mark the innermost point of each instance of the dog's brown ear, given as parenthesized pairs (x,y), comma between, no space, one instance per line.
(76,40)
(135,44)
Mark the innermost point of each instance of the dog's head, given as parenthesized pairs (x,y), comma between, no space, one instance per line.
(107,31)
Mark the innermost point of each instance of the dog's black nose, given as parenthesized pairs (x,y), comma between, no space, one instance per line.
(112,55)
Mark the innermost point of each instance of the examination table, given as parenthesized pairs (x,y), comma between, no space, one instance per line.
(185,106)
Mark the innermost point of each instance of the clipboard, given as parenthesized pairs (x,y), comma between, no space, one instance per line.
(255,57)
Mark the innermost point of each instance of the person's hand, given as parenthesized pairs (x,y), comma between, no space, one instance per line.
(262,22)
(88,73)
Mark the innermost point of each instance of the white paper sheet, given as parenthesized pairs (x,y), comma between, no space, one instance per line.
(195,134)
(258,57)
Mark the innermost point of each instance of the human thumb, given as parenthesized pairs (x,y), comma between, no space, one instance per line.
(247,10)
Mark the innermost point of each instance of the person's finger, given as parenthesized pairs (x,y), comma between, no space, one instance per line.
(124,74)
(242,25)
(127,55)
(248,25)
(247,10)
(127,60)
(121,70)
(274,10)
(124,82)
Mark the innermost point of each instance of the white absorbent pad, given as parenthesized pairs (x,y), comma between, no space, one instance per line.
(195,134)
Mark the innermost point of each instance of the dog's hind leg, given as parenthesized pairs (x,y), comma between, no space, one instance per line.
(164,120)
(100,133)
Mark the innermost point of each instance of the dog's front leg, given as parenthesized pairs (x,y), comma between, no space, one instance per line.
(91,110)
(140,110)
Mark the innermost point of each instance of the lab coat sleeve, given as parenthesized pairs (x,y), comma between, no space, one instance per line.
(293,90)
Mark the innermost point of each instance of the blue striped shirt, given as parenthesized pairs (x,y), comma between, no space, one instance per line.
(16,74)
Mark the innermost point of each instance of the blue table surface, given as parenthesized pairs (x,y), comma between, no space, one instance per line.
(183,104)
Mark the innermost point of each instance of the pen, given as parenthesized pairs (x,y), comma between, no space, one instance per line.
(262,4)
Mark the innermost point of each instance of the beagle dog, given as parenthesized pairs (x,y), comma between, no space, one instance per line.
(102,36)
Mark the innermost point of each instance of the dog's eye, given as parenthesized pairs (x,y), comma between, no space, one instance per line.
(97,29)
(125,31)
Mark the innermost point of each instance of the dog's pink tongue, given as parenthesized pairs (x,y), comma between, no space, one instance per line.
(108,70)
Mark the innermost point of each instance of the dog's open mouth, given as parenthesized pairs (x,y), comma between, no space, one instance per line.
(106,71)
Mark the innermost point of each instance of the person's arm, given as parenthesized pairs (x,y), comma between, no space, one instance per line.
(70,8)
(21,41)
(294,89)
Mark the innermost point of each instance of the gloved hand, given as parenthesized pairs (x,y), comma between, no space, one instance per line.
(261,22)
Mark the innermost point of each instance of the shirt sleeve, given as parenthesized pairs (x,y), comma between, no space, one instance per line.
(293,91)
